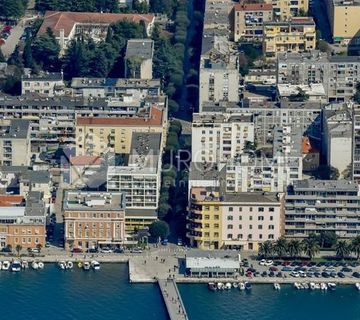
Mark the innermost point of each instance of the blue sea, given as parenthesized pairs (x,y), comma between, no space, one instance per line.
(106,294)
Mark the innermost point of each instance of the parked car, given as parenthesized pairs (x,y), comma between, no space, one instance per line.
(273,268)
(93,250)
(106,250)
(345,269)
(34,250)
(356,274)
(76,250)
(341,275)
(165,242)
(136,250)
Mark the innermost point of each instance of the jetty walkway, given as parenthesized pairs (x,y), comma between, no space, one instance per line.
(172,298)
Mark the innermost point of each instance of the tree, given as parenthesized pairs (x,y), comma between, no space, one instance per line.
(300,96)
(45,50)
(310,246)
(18,248)
(27,55)
(140,6)
(328,239)
(2,58)
(355,246)
(280,247)
(12,8)
(163,210)
(356,97)
(15,59)
(266,249)
(342,249)
(294,248)
(159,229)
(39,247)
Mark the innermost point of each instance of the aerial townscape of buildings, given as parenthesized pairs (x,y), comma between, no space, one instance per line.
(274,131)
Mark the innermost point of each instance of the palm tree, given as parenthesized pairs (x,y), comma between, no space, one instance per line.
(266,249)
(355,246)
(280,247)
(310,246)
(294,248)
(39,247)
(18,248)
(342,249)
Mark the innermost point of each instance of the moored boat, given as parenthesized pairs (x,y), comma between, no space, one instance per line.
(357,285)
(220,285)
(69,265)
(241,286)
(62,265)
(24,264)
(212,286)
(16,266)
(228,286)
(5,265)
(323,286)
(332,285)
(306,286)
(79,264)
(86,265)
(277,286)
(297,285)
(41,265)
(317,286)
(312,286)
(95,265)
(248,286)
(34,265)
(235,285)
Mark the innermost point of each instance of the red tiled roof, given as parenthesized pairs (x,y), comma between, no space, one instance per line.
(85,160)
(57,20)
(253,6)
(154,120)
(10,201)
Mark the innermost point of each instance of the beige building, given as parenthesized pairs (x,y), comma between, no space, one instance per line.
(248,20)
(295,35)
(344,21)
(14,142)
(233,221)
(285,9)
(97,136)
(139,59)
(93,219)
(22,222)
(49,84)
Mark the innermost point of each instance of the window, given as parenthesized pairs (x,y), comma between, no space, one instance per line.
(250,209)
(207,234)
(230,226)
(216,226)
(261,218)
(216,208)
(231,209)
(271,209)
(216,217)
(250,218)
(230,218)
(250,236)
(250,226)
(240,218)
(271,227)
(260,209)
(240,226)
(271,236)
(207,225)
(229,236)
(260,226)
(207,217)
(260,236)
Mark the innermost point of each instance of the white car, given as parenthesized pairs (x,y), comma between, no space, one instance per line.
(106,250)
(268,263)
(302,274)
(262,262)
(295,274)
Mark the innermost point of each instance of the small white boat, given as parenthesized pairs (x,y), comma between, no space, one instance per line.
(277,286)
(5,265)
(312,286)
(323,286)
(95,265)
(69,265)
(16,266)
(301,286)
(34,265)
(228,286)
(79,264)
(212,286)
(41,265)
(86,265)
(62,265)
(332,285)
(235,285)
(306,286)
(24,264)
(357,285)
(317,286)
(241,286)
(220,285)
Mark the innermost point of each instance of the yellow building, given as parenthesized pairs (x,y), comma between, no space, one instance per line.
(97,136)
(285,9)
(295,35)
(204,219)
(344,20)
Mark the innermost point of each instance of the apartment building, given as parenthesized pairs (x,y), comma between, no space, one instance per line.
(338,139)
(22,220)
(248,20)
(305,116)
(220,137)
(232,221)
(115,87)
(93,219)
(98,136)
(343,18)
(49,84)
(219,74)
(314,206)
(355,172)
(338,74)
(295,35)
(285,10)
(14,142)
(139,59)
(314,92)
(84,168)
(67,26)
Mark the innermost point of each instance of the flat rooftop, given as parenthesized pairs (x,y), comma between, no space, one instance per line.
(123,83)
(140,48)
(44,76)
(93,201)
(14,129)
(325,185)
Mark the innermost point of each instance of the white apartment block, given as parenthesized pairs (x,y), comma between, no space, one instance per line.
(217,138)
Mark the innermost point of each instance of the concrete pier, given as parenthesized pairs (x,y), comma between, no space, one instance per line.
(172,299)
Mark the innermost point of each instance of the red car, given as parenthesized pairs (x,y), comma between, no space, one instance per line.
(77,250)
(273,268)
(249,274)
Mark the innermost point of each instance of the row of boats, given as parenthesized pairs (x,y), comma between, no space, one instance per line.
(86,265)
(315,286)
(228,285)
(17,265)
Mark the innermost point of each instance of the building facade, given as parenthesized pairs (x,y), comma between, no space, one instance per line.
(49,84)
(93,219)
(314,206)
(296,35)
(284,10)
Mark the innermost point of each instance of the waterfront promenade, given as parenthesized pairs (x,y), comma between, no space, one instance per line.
(172,299)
